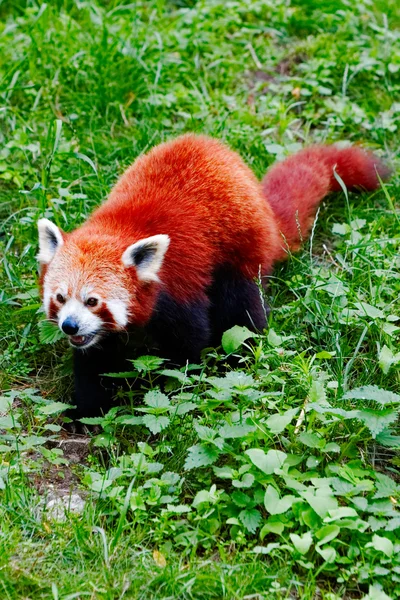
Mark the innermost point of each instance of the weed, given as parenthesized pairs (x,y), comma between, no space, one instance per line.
(278,478)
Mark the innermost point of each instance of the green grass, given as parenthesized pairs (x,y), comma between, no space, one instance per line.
(181,488)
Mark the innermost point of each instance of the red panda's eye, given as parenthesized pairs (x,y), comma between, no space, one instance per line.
(60,298)
(91,302)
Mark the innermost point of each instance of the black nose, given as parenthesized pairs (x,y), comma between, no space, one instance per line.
(70,326)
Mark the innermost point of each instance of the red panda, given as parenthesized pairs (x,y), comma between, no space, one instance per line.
(175,250)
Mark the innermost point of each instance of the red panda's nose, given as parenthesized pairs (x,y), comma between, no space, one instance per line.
(70,326)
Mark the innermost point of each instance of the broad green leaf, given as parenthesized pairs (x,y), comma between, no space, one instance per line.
(358,223)
(178,509)
(393,524)
(325,354)
(144,364)
(360,502)
(200,456)
(129,420)
(373,392)
(326,409)
(52,427)
(223,472)
(104,440)
(5,403)
(377,524)
(341,512)
(92,420)
(312,462)
(156,423)
(49,332)
(122,374)
(184,408)
(99,485)
(33,440)
(156,399)
(9,422)
(236,431)
(327,552)
(234,338)
(377,420)
(354,524)
(266,549)
(312,440)
(242,500)
(276,505)
(335,287)
(317,392)
(207,434)
(277,423)
(390,329)
(202,497)
(175,374)
(385,486)
(341,228)
(381,544)
(366,310)
(302,543)
(321,501)
(250,517)
(386,359)
(267,463)
(276,340)
(327,534)
(331,447)
(272,526)
(386,438)
(275,149)
(53,408)
(136,501)
(376,593)
(246,481)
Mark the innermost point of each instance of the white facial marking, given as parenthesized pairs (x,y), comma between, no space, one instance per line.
(147,256)
(50,239)
(119,311)
(87,321)
(46,298)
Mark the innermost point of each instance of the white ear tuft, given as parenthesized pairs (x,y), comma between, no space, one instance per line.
(50,239)
(147,256)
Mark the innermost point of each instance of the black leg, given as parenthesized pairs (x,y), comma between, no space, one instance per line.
(235,301)
(180,331)
(93,391)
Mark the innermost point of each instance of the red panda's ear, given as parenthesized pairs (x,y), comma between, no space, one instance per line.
(50,239)
(147,256)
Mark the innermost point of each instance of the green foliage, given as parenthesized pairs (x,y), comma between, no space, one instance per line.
(277,478)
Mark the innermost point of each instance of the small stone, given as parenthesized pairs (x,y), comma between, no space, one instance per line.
(57,508)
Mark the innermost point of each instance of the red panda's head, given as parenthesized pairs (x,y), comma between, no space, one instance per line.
(93,284)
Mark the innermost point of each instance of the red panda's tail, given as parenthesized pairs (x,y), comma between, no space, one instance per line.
(296,186)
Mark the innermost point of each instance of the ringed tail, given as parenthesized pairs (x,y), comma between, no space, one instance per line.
(296,186)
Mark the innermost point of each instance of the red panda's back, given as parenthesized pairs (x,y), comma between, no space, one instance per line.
(206,199)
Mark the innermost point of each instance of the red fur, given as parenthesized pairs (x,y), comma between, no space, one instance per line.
(215,211)
(296,186)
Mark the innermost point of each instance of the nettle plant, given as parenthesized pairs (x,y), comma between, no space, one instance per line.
(277,467)
(280,457)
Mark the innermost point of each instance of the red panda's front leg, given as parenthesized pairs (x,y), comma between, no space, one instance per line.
(235,300)
(93,391)
(177,332)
